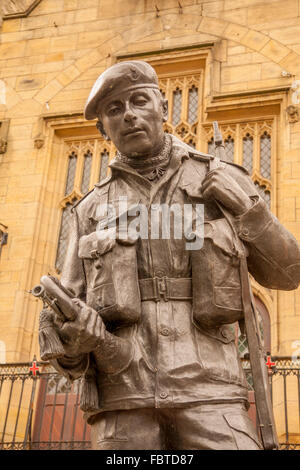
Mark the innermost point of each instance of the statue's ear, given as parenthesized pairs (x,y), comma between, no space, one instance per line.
(165,107)
(101,129)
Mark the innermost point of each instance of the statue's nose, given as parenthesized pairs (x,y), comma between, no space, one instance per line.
(129,115)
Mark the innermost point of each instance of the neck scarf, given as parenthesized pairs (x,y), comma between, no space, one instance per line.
(151,167)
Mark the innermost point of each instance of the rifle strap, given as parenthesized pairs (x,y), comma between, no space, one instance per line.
(257,361)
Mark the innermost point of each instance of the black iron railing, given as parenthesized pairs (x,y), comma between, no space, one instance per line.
(39,409)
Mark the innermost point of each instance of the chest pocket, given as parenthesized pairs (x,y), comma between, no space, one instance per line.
(113,278)
(217,295)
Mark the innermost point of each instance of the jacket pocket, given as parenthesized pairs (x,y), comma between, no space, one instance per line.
(218,354)
(112,277)
(217,295)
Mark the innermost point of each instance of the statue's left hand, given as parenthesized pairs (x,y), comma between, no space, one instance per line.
(81,335)
(220,186)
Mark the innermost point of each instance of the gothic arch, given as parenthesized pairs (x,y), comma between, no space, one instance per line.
(166,25)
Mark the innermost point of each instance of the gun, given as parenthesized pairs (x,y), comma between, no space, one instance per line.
(110,355)
(257,357)
(55,296)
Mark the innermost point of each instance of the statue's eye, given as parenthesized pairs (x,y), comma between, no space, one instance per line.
(140,101)
(113,110)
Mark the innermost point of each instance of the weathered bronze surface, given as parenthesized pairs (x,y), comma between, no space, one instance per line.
(153,339)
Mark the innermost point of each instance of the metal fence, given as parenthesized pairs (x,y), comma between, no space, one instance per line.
(39,409)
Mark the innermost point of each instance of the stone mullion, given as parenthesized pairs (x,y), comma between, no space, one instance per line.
(259,134)
(95,168)
(240,145)
(201,96)
(93,158)
(207,136)
(64,168)
(184,102)
(237,142)
(273,163)
(256,152)
(202,138)
(79,169)
(199,139)
(169,97)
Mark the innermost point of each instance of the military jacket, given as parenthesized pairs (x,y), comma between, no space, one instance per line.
(177,360)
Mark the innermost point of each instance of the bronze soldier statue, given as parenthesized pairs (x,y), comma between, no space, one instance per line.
(153,340)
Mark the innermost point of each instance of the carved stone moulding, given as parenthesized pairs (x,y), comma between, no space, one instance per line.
(18,8)
(293,113)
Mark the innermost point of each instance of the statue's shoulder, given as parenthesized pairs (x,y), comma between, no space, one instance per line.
(105,182)
(200,156)
(235,167)
(215,161)
(84,200)
(191,151)
(92,196)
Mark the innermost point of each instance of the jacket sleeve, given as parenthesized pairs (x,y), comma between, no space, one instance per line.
(73,274)
(274,253)
(73,278)
(72,367)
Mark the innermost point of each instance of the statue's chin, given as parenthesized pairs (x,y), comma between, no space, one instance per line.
(140,151)
(138,154)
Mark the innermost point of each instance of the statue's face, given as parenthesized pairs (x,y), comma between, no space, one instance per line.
(133,121)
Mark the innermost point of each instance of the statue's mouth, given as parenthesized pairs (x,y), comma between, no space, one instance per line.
(132,131)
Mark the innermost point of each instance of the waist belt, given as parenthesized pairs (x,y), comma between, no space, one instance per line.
(158,288)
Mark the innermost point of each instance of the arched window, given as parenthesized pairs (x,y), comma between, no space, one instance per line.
(87,164)
(250,145)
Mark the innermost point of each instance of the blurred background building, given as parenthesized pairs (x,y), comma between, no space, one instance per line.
(234,61)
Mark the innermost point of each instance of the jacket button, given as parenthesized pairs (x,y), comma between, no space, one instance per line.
(95,254)
(98,264)
(225,334)
(160,273)
(163,395)
(165,332)
(245,232)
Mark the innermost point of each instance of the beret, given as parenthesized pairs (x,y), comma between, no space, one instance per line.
(118,78)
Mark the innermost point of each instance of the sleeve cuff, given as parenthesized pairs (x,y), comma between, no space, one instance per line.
(72,367)
(254,222)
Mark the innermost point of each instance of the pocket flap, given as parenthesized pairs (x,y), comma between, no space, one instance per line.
(221,234)
(224,333)
(241,422)
(97,243)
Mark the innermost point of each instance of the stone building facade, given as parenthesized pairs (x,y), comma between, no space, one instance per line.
(234,61)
